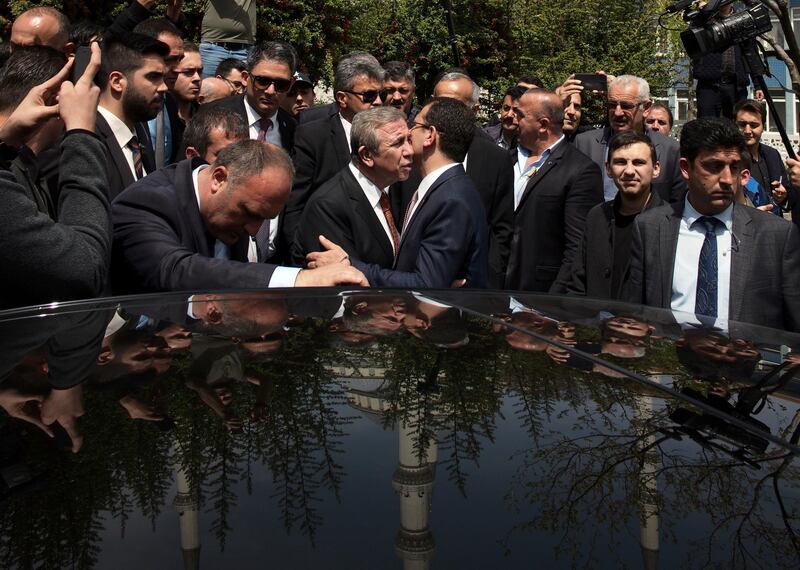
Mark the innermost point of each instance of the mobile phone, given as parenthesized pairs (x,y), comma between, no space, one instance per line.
(82,57)
(593,81)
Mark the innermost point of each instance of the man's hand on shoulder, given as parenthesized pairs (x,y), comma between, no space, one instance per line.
(331,275)
(332,254)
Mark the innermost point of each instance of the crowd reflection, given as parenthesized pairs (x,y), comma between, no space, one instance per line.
(220,383)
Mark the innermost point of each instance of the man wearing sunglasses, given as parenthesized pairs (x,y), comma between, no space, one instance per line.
(628,105)
(322,147)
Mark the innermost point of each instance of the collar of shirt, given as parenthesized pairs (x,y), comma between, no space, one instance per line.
(370,189)
(196,185)
(428,181)
(690,216)
(346,125)
(254,119)
(121,131)
(523,154)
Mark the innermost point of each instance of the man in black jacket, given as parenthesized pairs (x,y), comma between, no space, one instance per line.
(601,263)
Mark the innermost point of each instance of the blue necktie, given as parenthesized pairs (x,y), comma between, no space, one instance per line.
(707,273)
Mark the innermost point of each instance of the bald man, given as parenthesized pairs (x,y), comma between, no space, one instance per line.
(555,186)
(42,26)
(213,89)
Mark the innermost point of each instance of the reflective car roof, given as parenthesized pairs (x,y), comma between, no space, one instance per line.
(394,429)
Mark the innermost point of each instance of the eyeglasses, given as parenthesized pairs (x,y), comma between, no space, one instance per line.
(416,125)
(624,105)
(368,96)
(263,82)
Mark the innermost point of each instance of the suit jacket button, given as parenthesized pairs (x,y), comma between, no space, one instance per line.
(607,273)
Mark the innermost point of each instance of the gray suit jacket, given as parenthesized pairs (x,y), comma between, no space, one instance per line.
(765,265)
(669,185)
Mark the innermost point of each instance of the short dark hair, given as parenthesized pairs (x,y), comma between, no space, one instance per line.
(248,158)
(628,138)
(515,92)
(272,51)
(227,65)
(27,67)
(455,123)
(665,107)
(82,33)
(752,106)
(530,80)
(206,120)
(125,54)
(710,134)
(399,70)
(190,47)
(154,27)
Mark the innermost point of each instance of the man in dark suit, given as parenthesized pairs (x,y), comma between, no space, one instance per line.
(269,75)
(555,186)
(628,105)
(322,148)
(131,80)
(181,227)
(601,263)
(444,237)
(708,256)
(353,208)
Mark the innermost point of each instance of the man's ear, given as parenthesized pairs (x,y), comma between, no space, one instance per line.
(341,98)
(365,156)
(191,152)
(117,82)
(684,165)
(219,178)
(212,313)
(656,169)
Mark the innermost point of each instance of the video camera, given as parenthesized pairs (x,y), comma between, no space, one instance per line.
(708,34)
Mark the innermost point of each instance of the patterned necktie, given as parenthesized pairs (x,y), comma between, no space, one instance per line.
(262,241)
(387,212)
(411,204)
(264,126)
(707,274)
(160,144)
(136,149)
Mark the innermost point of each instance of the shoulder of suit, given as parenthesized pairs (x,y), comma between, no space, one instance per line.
(659,212)
(286,117)
(589,137)
(669,142)
(331,190)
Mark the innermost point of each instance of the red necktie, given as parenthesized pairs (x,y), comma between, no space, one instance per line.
(387,212)
(265,125)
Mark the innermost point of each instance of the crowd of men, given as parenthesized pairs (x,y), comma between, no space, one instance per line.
(150,172)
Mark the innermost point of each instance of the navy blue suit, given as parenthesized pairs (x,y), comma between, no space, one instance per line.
(446,239)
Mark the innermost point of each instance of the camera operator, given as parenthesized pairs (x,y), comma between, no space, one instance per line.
(721,78)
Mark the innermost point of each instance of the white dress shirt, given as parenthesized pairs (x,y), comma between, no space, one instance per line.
(281,277)
(373,195)
(122,134)
(425,185)
(687,257)
(346,125)
(523,174)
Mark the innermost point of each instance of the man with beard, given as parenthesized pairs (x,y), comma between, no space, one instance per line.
(131,80)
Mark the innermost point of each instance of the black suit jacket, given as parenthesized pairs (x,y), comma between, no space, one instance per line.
(550,219)
(318,112)
(340,211)
(117,169)
(320,152)
(161,242)
(491,169)
(445,239)
(593,266)
(670,184)
(286,123)
(765,265)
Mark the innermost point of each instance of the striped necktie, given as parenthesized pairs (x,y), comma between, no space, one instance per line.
(136,149)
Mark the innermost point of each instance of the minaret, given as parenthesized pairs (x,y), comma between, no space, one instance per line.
(187,506)
(413,480)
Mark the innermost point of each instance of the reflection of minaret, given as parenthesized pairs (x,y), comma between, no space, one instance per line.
(187,506)
(648,487)
(413,480)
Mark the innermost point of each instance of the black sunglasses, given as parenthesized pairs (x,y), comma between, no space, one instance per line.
(263,82)
(370,95)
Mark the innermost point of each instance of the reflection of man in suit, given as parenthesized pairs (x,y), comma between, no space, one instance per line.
(444,234)
(353,208)
(628,106)
(131,80)
(554,188)
(180,228)
(322,148)
(708,256)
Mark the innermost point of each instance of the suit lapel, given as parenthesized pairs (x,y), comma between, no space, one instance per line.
(548,165)
(364,208)
(184,188)
(742,241)
(117,157)
(444,177)
(148,157)
(668,245)
(339,141)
